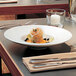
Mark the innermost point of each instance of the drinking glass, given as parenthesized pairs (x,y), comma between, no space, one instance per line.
(55,17)
(73,10)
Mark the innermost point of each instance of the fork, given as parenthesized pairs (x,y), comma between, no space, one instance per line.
(51,64)
(5,26)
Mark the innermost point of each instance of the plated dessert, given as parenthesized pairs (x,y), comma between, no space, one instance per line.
(37,35)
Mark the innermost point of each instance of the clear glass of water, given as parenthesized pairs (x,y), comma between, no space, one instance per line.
(55,17)
(73,10)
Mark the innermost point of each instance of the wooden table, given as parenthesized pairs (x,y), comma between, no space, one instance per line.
(12,53)
(32,6)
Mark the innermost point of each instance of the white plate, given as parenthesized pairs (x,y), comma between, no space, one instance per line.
(16,34)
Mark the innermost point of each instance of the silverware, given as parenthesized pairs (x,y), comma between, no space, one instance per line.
(36,61)
(8,26)
(51,64)
(5,26)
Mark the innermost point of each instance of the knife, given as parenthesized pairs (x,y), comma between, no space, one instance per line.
(37,61)
(42,65)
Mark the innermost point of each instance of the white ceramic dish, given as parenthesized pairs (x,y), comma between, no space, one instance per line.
(16,34)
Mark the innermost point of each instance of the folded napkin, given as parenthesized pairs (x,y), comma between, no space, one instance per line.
(34,67)
(8,1)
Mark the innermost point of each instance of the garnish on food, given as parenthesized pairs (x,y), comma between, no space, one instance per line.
(37,36)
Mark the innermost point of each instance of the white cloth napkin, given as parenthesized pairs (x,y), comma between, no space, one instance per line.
(8,1)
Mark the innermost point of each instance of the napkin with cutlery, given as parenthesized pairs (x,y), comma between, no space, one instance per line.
(50,62)
(8,1)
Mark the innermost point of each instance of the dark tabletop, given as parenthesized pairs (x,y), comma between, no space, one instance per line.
(17,51)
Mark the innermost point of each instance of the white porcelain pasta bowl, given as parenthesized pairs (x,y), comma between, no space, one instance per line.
(16,34)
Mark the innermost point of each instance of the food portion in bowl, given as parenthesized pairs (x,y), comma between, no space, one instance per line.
(37,35)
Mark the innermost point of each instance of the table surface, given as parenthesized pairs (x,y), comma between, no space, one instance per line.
(32,6)
(12,53)
(34,2)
